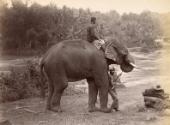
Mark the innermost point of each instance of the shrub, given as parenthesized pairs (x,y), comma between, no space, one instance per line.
(24,82)
(19,84)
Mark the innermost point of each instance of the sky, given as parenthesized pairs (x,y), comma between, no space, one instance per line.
(135,6)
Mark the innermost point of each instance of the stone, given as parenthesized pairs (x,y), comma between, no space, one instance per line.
(5,122)
(154,102)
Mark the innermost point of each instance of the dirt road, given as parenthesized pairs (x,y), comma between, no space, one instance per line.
(31,111)
(132,111)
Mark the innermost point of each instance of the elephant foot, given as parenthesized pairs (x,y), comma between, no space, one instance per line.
(42,95)
(56,109)
(106,110)
(48,107)
(93,109)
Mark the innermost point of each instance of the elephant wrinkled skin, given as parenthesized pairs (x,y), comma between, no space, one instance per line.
(73,60)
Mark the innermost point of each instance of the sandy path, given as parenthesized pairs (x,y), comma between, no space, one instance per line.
(75,111)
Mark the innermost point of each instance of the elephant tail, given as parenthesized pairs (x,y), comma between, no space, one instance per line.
(41,64)
(42,81)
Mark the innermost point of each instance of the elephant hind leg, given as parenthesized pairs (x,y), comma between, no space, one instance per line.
(50,94)
(56,97)
(93,91)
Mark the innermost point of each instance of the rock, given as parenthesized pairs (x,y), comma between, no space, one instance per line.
(153,102)
(155,97)
(5,122)
(155,93)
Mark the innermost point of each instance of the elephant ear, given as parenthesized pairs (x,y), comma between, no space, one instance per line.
(115,51)
(119,54)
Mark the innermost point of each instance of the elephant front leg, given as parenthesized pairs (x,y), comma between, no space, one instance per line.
(93,91)
(103,93)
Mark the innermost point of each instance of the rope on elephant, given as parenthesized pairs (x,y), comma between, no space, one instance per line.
(98,43)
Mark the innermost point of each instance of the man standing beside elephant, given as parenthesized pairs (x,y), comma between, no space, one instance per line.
(113,78)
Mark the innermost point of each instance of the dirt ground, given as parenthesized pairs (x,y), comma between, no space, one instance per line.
(32,111)
(132,111)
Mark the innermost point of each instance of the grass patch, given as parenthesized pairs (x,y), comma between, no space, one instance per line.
(19,84)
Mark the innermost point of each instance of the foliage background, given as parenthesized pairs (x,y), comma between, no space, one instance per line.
(36,27)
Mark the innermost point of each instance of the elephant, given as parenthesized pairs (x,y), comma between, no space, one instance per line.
(73,60)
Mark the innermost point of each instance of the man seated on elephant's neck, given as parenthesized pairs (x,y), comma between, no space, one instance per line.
(93,35)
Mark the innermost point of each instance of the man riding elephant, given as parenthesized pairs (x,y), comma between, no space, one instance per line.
(93,35)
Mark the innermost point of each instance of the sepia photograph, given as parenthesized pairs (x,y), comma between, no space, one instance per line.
(84,62)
